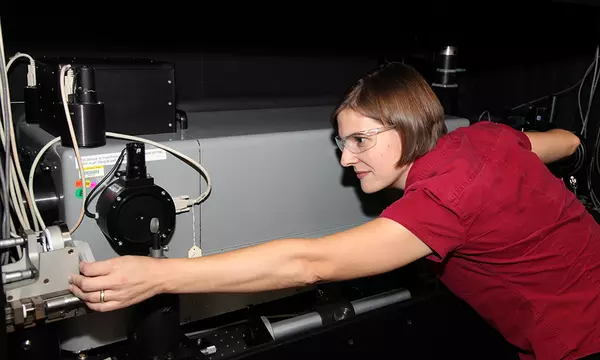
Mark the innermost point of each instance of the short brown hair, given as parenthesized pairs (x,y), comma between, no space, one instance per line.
(396,94)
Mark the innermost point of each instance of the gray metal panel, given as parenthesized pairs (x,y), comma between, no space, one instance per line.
(175,176)
(245,103)
(204,125)
(270,186)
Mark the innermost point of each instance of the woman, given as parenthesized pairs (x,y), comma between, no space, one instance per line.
(515,243)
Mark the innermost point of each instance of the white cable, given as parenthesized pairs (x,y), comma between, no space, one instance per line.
(34,165)
(174,152)
(191,161)
(31,82)
(37,159)
(31,75)
(17,179)
(75,145)
(20,175)
(17,203)
(591,95)
(5,105)
(15,194)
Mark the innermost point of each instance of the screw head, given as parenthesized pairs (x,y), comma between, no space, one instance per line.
(26,345)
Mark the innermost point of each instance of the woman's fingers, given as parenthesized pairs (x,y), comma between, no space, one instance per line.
(125,280)
(98,268)
(96,296)
(85,296)
(105,306)
(89,284)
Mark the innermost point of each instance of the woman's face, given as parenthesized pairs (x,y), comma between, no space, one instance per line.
(373,155)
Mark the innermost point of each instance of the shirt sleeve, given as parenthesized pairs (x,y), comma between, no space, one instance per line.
(423,214)
(520,137)
(505,131)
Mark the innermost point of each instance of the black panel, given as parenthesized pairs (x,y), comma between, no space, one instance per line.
(138,95)
(439,327)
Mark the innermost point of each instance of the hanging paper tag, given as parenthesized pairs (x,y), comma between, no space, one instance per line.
(194,252)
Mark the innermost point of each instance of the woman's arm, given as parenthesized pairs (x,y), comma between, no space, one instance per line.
(375,247)
(553,145)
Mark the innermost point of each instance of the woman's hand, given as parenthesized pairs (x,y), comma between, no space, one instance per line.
(124,281)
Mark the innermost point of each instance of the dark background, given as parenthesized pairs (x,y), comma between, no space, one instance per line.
(512,51)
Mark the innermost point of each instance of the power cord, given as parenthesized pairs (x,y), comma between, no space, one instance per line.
(595,78)
(105,178)
(182,203)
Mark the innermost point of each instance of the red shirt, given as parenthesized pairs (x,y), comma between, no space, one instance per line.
(516,244)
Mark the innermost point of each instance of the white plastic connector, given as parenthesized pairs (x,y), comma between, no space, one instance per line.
(31,78)
(69,81)
(182,203)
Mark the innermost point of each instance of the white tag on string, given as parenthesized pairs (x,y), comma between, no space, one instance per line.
(194,251)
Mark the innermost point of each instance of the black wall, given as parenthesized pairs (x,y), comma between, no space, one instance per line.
(513,51)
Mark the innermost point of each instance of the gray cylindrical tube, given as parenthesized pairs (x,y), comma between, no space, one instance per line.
(62,301)
(10,277)
(380,300)
(8,243)
(296,325)
(313,320)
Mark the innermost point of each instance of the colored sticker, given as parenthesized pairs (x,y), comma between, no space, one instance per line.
(87,183)
(93,171)
(93,185)
(78,183)
(79,193)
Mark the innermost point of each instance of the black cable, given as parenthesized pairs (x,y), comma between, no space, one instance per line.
(580,157)
(594,169)
(106,177)
(572,87)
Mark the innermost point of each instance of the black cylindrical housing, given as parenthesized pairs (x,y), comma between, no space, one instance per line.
(446,67)
(125,210)
(136,161)
(448,59)
(89,125)
(85,81)
(87,113)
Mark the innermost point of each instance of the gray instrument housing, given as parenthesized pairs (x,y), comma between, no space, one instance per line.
(275,174)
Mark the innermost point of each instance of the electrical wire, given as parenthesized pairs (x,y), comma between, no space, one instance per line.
(584,118)
(31,74)
(105,178)
(20,178)
(14,185)
(65,102)
(572,87)
(113,135)
(14,180)
(489,116)
(5,100)
(579,84)
(181,156)
(34,165)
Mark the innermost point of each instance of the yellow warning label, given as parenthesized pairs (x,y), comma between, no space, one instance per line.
(93,171)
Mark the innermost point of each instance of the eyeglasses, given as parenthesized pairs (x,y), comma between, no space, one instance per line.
(360,141)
